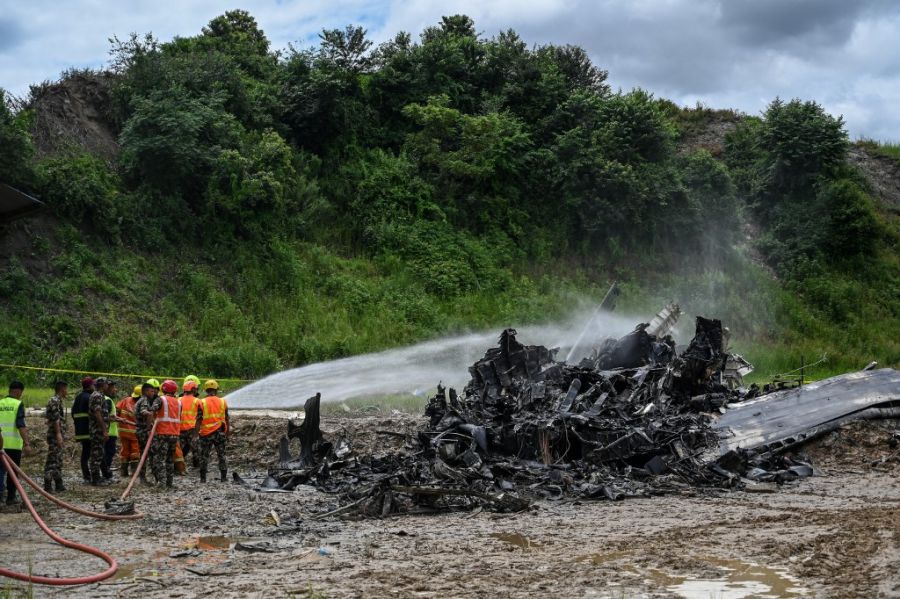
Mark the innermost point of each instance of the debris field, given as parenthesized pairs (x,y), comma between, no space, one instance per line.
(635,419)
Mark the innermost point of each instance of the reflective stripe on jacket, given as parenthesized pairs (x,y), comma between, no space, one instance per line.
(113,425)
(81,417)
(126,411)
(9,409)
(188,412)
(214,408)
(169,416)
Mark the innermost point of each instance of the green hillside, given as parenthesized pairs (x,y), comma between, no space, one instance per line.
(218,206)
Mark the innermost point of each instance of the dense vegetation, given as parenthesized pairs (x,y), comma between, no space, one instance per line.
(267,209)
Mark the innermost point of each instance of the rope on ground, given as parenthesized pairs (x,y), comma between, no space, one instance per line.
(117,374)
(805,366)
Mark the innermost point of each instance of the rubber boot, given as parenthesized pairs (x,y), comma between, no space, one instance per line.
(124,468)
(168,481)
(48,485)
(203,476)
(223,472)
(60,487)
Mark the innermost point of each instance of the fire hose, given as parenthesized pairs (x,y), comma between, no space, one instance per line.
(15,473)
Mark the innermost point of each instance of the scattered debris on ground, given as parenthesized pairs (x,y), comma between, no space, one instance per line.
(833,535)
(635,419)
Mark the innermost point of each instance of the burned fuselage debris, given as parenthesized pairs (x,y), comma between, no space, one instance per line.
(636,418)
(628,421)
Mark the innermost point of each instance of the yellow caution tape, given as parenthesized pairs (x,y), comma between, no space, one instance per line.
(116,374)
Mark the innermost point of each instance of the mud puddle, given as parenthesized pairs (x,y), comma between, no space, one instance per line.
(739,580)
(515,539)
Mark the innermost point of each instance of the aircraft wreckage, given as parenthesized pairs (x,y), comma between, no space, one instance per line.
(636,418)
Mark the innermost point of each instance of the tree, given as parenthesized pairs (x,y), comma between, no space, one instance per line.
(803,141)
(173,139)
(16,148)
(256,189)
(345,49)
(238,31)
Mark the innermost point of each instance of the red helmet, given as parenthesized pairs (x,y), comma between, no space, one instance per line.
(169,386)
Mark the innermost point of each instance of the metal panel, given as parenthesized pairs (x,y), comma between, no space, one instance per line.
(15,204)
(786,418)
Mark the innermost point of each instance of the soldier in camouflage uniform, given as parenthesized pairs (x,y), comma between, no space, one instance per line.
(144,410)
(99,430)
(56,429)
(213,426)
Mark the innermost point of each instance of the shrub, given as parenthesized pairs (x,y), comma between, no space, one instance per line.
(81,188)
(852,227)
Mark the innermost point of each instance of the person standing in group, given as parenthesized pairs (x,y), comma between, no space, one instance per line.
(110,415)
(188,437)
(213,426)
(99,430)
(56,430)
(192,380)
(130,454)
(165,442)
(144,409)
(14,434)
(81,418)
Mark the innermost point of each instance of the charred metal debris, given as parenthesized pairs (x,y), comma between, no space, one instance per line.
(631,420)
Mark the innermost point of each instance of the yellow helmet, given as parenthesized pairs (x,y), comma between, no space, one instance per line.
(137,391)
(153,383)
(211,384)
(191,379)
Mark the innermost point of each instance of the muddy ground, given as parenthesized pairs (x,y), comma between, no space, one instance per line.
(834,535)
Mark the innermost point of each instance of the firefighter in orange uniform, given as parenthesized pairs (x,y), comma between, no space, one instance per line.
(168,428)
(130,454)
(213,425)
(187,438)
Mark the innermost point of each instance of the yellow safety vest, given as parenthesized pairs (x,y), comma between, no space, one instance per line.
(12,438)
(113,425)
(214,408)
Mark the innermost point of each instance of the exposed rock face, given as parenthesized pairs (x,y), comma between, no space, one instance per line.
(75,112)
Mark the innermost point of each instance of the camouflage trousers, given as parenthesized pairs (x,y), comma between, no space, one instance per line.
(142,443)
(95,462)
(162,453)
(188,442)
(217,440)
(54,464)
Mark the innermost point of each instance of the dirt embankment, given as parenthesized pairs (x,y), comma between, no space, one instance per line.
(833,535)
(75,113)
(883,174)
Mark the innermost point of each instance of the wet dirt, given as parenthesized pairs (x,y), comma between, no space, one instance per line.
(833,535)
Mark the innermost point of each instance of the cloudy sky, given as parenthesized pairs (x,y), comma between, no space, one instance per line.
(723,53)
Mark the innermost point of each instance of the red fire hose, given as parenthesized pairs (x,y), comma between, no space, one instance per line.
(15,472)
(113,566)
(141,463)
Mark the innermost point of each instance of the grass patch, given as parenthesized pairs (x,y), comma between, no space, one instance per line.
(380,405)
(881,148)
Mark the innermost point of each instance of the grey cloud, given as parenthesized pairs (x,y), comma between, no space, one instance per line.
(766,23)
(725,53)
(11,34)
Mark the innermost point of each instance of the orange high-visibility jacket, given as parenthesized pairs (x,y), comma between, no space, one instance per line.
(213,414)
(125,409)
(188,412)
(169,416)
